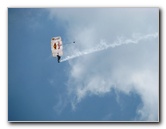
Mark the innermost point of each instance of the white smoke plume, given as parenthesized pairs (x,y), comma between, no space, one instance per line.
(103,45)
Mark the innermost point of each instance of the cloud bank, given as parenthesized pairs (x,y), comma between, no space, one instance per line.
(129,65)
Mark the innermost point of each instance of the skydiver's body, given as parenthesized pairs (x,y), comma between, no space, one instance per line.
(58,58)
(58,53)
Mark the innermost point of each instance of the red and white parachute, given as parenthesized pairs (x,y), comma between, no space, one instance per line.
(56,46)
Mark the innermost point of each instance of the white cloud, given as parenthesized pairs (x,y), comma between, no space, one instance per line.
(60,105)
(127,68)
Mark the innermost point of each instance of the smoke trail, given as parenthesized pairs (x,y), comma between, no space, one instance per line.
(103,45)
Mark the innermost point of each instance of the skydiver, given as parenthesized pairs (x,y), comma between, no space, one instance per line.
(58,58)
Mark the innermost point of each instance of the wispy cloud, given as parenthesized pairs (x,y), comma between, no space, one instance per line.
(131,63)
(60,105)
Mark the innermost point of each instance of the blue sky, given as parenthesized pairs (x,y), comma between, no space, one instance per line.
(117,81)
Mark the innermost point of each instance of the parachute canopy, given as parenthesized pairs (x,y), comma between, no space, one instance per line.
(56,46)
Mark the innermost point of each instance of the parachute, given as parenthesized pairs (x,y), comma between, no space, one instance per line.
(56,47)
